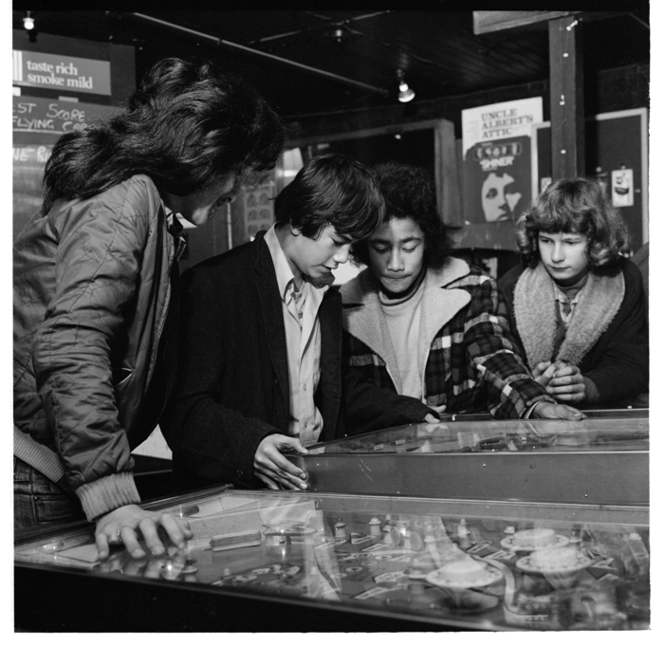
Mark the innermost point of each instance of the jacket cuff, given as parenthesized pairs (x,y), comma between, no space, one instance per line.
(592,393)
(106,494)
(533,402)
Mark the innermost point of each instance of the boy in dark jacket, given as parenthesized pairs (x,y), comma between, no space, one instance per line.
(260,363)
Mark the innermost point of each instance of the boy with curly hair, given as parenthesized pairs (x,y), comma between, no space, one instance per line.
(424,324)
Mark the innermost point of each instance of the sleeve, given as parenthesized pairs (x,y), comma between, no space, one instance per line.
(369,407)
(492,350)
(506,286)
(622,369)
(211,443)
(96,269)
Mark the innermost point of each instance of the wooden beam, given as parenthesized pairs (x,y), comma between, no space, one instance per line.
(567,113)
(447,174)
(485,22)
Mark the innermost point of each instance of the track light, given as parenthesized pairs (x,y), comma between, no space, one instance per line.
(406,94)
(28,21)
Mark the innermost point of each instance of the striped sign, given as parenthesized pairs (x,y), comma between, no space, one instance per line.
(61,73)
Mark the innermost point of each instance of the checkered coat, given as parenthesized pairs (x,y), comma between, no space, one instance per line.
(471,362)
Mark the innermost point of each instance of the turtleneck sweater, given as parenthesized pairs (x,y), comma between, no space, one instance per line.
(403,315)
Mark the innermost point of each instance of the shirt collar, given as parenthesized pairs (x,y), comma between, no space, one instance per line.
(571,293)
(285,277)
(174,227)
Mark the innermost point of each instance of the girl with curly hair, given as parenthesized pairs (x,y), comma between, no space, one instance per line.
(577,304)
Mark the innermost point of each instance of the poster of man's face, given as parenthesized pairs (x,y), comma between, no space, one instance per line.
(497,180)
(500,197)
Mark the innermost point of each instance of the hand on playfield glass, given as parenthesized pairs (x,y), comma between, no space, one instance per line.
(546,410)
(567,383)
(273,469)
(432,418)
(127,523)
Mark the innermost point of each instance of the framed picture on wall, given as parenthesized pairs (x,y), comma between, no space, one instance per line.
(616,155)
(496,172)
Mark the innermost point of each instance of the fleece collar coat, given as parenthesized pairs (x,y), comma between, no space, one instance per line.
(608,333)
(465,347)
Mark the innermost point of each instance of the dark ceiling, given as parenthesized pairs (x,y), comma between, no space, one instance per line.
(347,60)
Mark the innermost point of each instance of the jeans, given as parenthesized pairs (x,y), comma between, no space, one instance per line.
(39,502)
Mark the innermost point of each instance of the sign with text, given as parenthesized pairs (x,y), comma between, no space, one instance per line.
(37,124)
(46,119)
(497,180)
(499,121)
(28,173)
(61,73)
(497,176)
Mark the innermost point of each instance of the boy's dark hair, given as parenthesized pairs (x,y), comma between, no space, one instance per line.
(409,192)
(574,206)
(187,126)
(331,189)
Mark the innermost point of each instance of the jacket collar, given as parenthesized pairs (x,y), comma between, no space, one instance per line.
(363,317)
(273,319)
(535,313)
(270,304)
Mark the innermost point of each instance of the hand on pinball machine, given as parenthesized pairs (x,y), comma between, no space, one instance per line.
(273,469)
(435,418)
(546,410)
(131,523)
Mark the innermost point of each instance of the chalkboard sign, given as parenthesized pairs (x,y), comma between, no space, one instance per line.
(37,123)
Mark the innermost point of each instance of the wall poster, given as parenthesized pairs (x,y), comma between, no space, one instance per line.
(496,169)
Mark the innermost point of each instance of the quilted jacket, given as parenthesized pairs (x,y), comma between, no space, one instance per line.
(465,343)
(91,294)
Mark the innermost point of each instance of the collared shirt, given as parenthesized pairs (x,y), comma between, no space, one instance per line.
(567,298)
(303,342)
(175,228)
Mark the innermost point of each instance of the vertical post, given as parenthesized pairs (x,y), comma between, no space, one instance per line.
(447,174)
(567,114)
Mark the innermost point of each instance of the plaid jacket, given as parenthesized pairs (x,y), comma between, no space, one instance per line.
(471,361)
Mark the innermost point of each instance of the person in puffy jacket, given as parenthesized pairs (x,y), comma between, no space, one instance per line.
(95,276)
(576,304)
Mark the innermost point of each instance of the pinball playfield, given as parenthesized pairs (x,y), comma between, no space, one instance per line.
(355,563)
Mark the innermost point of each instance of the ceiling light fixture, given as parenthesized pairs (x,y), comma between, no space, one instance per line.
(406,94)
(28,21)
